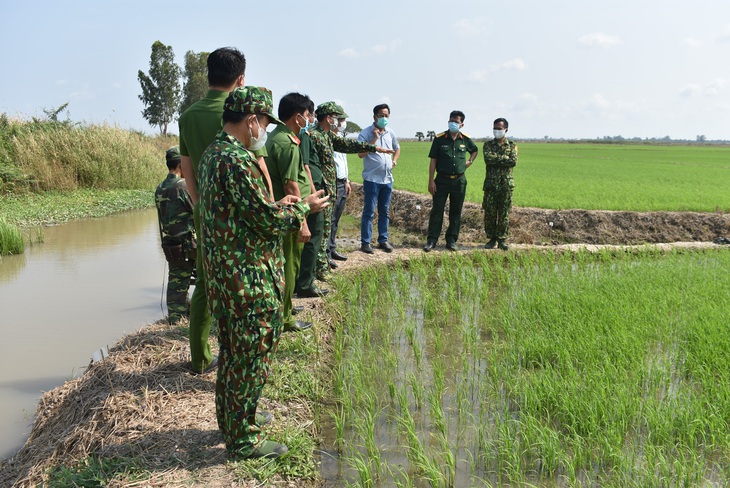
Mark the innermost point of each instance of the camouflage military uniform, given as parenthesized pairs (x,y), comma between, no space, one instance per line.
(498,186)
(177,232)
(242,233)
(325,143)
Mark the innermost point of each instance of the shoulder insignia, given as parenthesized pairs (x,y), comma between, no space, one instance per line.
(294,139)
(465,135)
(440,134)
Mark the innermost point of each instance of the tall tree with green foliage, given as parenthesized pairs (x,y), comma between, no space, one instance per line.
(352,128)
(161,88)
(195,76)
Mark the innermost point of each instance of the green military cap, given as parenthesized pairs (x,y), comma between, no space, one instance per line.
(343,114)
(252,100)
(329,108)
(172,154)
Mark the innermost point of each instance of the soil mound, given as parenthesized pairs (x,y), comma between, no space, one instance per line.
(409,211)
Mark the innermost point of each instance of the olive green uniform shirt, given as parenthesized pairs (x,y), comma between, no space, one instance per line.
(451,154)
(285,162)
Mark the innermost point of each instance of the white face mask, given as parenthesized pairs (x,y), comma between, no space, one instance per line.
(258,142)
(499,133)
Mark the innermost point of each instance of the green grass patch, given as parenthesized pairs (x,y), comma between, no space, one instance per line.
(11,240)
(592,176)
(33,209)
(97,472)
(607,369)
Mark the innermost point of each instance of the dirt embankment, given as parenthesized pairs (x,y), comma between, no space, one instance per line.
(409,211)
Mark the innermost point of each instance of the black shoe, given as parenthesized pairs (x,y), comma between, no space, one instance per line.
(366,248)
(385,246)
(490,244)
(502,245)
(332,263)
(429,246)
(312,293)
(337,256)
(211,367)
(298,326)
(451,246)
(297,309)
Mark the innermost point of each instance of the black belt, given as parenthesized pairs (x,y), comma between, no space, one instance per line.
(452,176)
(341,180)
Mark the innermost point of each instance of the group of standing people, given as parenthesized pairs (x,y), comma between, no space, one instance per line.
(252,217)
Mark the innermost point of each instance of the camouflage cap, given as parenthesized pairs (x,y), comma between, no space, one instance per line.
(173,154)
(329,108)
(343,114)
(252,100)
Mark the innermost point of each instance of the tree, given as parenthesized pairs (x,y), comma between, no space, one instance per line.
(352,128)
(420,136)
(161,88)
(195,76)
(430,134)
(701,138)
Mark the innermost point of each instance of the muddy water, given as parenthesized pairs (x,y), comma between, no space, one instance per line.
(88,284)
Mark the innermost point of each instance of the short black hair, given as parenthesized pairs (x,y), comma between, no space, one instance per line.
(292,104)
(173,163)
(503,120)
(225,65)
(380,107)
(457,113)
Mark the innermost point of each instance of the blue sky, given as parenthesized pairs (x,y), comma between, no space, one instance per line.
(565,68)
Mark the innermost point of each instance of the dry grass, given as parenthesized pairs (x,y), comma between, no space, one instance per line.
(142,403)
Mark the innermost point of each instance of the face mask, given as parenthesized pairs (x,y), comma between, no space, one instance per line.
(343,124)
(382,122)
(454,126)
(499,133)
(258,143)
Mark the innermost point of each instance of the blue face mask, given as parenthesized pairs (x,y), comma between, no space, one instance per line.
(454,126)
(382,122)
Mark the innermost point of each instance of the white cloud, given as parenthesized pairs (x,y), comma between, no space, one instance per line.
(599,39)
(377,49)
(513,64)
(529,97)
(715,87)
(690,90)
(691,42)
(478,76)
(471,27)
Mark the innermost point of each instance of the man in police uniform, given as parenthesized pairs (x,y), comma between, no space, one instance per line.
(449,162)
(177,233)
(289,177)
(500,156)
(242,237)
(198,126)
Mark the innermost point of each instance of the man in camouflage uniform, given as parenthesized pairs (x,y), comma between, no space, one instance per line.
(242,232)
(320,158)
(448,160)
(177,233)
(500,156)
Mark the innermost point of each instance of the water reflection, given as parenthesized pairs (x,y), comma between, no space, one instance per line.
(85,286)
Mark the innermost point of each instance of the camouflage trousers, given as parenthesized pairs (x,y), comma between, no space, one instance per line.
(178,284)
(497,204)
(247,345)
(323,262)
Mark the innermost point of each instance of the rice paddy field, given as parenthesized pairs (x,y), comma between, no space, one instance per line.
(537,368)
(632,177)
